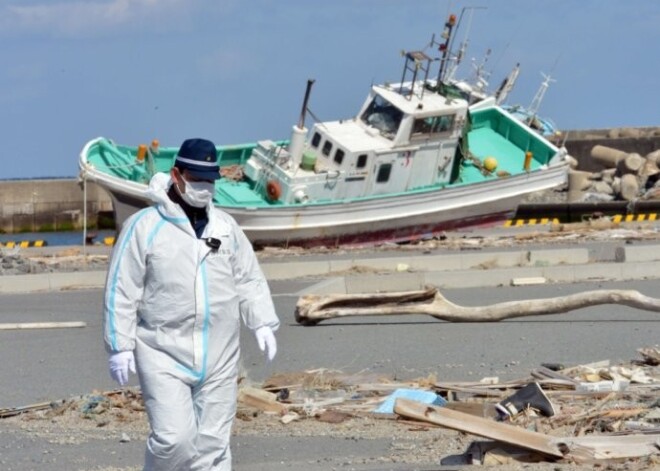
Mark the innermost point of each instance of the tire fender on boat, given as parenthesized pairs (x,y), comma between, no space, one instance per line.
(273,190)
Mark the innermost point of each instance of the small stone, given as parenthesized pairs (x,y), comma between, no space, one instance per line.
(124,438)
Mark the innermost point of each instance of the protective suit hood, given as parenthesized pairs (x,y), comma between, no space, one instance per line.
(159,185)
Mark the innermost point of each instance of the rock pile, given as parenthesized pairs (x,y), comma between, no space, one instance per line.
(624,177)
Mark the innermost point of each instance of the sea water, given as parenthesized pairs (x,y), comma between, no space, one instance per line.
(58,238)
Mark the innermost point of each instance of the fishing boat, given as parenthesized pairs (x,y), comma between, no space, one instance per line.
(417,159)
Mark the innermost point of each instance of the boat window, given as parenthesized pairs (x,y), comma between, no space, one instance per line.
(384,116)
(423,127)
(316,139)
(384,173)
(339,156)
(361,161)
(327,147)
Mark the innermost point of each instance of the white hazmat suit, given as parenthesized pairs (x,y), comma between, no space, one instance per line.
(177,303)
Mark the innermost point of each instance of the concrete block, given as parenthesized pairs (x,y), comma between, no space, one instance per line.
(639,271)
(288,270)
(590,272)
(488,260)
(340,265)
(446,262)
(472,279)
(330,286)
(384,283)
(24,283)
(637,253)
(385,263)
(77,280)
(541,258)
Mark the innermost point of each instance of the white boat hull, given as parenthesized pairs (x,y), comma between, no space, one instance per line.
(378,219)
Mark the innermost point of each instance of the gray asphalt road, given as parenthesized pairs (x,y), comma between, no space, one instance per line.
(44,365)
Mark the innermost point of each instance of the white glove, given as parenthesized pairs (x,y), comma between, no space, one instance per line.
(266,341)
(120,363)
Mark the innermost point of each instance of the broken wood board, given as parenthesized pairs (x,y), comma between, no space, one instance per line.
(604,447)
(12,411)
(41,325)
(312,309)
(479,426)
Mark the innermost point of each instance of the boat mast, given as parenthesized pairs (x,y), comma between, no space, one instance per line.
(303,112)
(444,47)
(538,98)
(458,57)
(299,131)
(507,85)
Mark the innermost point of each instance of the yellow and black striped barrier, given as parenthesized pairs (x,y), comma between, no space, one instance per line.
(635,217)
(617,218)
(23,244)
(530,222)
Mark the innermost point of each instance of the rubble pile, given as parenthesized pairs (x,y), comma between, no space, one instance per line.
(15,262)
(624,177)
(585,415)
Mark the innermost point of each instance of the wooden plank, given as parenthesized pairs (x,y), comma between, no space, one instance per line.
(479,426)
(12,411)
(606,447)
(41,325)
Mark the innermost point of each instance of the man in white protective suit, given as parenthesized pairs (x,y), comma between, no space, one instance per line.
(181,277)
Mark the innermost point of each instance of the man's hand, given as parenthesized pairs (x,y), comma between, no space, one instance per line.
(266,341)
(120,363)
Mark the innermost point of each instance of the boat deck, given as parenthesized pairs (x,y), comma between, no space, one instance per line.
(485,142)
(237,193)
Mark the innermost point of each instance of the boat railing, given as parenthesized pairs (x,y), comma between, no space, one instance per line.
(268,153)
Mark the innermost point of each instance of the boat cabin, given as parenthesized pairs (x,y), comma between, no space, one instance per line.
(404,137)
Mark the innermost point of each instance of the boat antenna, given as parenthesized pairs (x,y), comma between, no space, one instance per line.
(303,112)
(480,74)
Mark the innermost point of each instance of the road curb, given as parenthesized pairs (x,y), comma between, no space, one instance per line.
(401,273)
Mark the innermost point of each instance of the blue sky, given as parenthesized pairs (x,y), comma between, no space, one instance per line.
(235,71)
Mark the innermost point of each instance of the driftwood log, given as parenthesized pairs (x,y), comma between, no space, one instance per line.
(312,309)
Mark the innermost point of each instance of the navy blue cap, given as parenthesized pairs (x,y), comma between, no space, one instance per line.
(200,158)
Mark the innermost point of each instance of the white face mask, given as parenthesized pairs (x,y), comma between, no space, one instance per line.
(198,194)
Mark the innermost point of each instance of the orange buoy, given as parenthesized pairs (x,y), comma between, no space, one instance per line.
(273,190)
(528,161)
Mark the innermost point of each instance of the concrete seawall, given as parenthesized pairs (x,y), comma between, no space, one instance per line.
(49,205)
